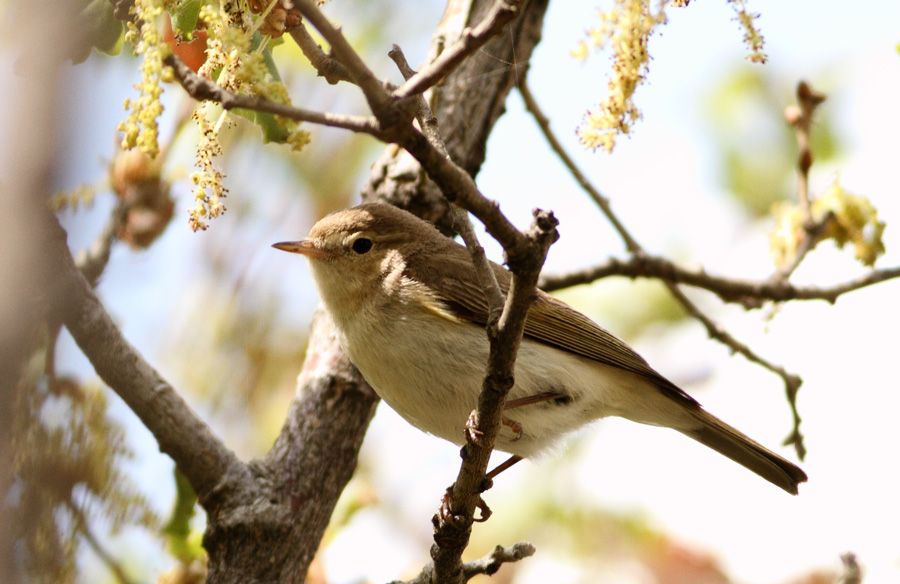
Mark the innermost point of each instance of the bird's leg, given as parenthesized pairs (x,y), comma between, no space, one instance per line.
(513,425)
(537,398)
(488,481)
(474,435)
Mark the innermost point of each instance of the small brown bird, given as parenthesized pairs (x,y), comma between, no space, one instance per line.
(411,314)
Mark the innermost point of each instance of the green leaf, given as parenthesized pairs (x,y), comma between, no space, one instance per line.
(270,64)
(271,129)
(102,30)
(185,16)
(177,530)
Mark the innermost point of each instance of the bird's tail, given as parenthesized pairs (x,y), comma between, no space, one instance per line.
(726,440)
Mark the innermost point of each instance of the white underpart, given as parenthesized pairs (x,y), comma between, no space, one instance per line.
(429,367)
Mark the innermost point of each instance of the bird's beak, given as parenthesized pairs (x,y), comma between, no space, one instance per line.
(305,247)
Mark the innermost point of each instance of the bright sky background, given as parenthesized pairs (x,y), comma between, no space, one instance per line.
(662,183)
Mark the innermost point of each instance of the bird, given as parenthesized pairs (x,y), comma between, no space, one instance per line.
(410,313)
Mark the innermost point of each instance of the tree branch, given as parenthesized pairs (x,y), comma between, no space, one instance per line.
(200,455)
(201,88)
(472,39)
(429,125)
(453,524)
(326,65)
(379,99)
(487,565)
(749,293)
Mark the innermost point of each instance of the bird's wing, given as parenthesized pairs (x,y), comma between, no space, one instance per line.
(549,321)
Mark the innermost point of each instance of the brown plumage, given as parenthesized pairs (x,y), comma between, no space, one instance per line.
(392,302)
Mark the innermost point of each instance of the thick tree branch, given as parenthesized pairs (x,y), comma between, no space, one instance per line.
(201,88)
(200,455)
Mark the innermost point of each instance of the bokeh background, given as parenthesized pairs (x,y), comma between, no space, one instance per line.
(224,317)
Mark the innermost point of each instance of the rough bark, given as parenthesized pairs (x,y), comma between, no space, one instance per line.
(273,536)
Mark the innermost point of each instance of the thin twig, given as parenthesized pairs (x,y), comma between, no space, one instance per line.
(601,201)
(748,293)
(376,94)
(800,117)
(201,88)
(461,222)
(470,41)
(325,65)
(488,564)
(426,119)
(791,381)
(92,261)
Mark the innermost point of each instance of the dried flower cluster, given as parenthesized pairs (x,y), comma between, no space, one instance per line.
(752,37)
(626,28)
(234,60)
(846,218)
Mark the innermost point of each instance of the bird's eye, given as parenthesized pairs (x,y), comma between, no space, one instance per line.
(362,245)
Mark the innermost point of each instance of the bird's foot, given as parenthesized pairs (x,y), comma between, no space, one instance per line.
(473,434)
(513,425)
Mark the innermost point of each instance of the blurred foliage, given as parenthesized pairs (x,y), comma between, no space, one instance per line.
(757,150)
(67,469)
(100,29)
(183,542)
(240,358)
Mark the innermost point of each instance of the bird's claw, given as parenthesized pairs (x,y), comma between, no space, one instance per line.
(473,434)
(513,425)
